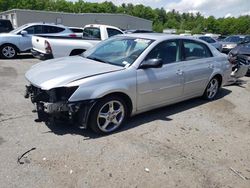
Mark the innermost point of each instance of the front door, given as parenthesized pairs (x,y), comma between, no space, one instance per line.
(156,86)
(25,41)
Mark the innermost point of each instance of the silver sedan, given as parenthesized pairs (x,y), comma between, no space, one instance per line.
(123,76)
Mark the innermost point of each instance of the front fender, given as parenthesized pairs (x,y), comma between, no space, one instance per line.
(97,92)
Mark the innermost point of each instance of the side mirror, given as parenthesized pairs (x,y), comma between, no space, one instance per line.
(24,33)
(151,63)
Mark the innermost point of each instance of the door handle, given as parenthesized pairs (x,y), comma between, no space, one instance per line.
(179,72)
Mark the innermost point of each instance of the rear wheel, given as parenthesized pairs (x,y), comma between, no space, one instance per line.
(108,115)
(212,89)
(8,51)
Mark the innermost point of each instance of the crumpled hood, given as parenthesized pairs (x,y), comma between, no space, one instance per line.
(59,72)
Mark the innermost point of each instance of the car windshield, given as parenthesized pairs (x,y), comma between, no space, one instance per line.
(19,28)
(121,51)
(236,39)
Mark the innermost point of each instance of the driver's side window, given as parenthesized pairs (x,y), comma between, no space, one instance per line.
(167,51)
(36,29)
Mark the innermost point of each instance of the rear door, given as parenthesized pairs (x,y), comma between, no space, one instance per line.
(198,67)
(156,86)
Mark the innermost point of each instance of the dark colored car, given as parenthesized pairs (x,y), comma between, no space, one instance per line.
(242,51)
(212,41)
(232,41)
(5,26)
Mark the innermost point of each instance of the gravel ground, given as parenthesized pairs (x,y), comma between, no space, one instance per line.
(190,144)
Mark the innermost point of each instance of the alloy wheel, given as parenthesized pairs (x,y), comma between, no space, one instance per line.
(212,88)
(8,52)
(110,116)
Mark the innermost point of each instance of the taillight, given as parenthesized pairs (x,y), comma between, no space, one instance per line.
(72,35)
(48,49)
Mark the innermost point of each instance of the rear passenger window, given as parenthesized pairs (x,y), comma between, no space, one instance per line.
(195,50)
(92,32)
(168,51)
(112,32)
(52,29)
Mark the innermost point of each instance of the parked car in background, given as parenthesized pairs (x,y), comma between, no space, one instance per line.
(232,41)
(211,41)
(5,26)
(242,52)
(55,47)
(123,76)
(138,31)
(77,31)
(221,38)
(19,40)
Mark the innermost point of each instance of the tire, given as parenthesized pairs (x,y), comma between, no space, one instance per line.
(108,115)
(8,51)
(212,89)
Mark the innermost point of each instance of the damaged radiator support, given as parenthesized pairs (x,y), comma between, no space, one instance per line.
(54,104)
(51,108)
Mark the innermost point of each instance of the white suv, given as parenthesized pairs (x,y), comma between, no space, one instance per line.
(19,40)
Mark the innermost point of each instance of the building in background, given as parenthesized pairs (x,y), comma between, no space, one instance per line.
(20,17)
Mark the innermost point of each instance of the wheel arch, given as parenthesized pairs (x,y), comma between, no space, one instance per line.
(125,97)
(219,77)
(18,50)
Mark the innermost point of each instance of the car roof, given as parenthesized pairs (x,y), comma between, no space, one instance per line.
(44,23)
(157,36)
(237,36)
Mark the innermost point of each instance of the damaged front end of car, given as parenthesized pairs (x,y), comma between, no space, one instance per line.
(54,104)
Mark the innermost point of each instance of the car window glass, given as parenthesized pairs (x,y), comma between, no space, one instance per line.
(235,39)
(76,30)
(118,50)
(195,50)
(168,51)
(36,29)
(247,38)
(112,48)
(112,32)
(92,32)
(52,29)
(208,39)
(5,26)
(4,23)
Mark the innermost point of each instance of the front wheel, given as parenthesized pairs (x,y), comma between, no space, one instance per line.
(108,115)
(8,51)
(212,89)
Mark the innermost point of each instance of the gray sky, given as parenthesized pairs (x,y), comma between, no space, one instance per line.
(217,8)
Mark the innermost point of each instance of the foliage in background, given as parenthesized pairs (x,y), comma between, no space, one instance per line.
(196,23)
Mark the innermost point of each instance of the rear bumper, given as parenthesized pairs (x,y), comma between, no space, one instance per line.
(41,56)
